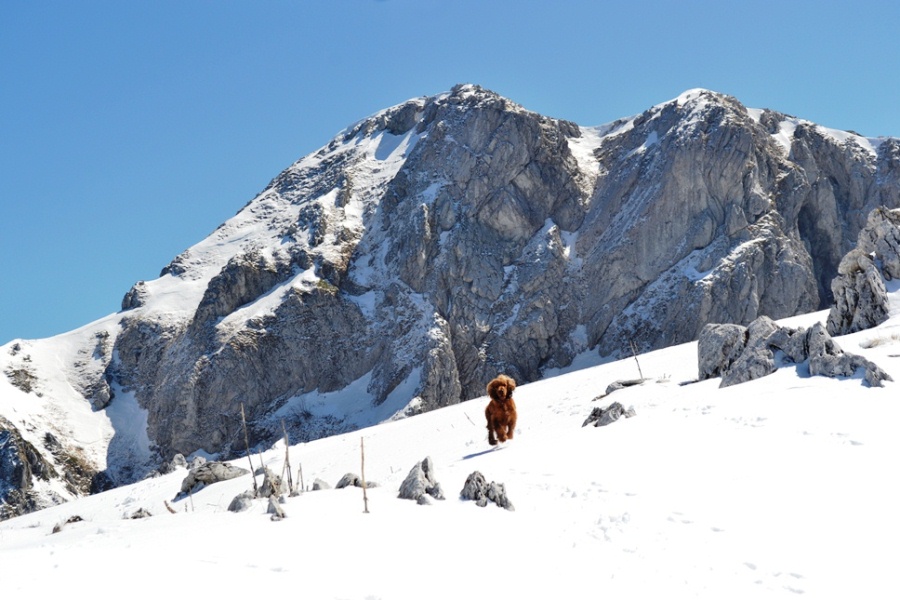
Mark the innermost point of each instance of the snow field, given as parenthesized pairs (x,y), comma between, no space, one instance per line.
(767,489)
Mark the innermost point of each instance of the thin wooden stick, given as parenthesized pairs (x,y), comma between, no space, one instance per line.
(247,444)
(287,459)
(362,474)
(634,353)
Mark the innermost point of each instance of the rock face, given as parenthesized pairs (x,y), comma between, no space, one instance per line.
(738,354)
(860,295)
(421,483)
(719,346)
(450,238)
(20,465)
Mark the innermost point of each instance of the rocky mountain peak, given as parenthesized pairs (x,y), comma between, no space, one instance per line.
(438,242)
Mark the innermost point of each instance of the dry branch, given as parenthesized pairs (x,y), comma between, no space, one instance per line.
(247,444)
(362,474)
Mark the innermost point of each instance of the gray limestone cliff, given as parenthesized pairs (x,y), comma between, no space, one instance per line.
(439,242)
(457,236)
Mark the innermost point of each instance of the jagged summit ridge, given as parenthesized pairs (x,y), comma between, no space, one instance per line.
(430,215)
(445,239)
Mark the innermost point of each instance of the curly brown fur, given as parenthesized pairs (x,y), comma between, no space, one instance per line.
(501,410)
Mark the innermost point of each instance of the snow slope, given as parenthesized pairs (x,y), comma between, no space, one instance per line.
(772,488)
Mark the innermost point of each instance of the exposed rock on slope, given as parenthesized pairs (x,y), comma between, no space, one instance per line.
(738,354)
(449,238)
(20,464)
(860,295)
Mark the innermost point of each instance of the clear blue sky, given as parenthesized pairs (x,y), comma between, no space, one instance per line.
(130,130)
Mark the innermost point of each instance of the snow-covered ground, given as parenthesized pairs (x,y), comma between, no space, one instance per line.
(772,488)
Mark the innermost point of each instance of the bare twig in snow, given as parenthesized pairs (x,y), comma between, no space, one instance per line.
(362,474)
(634,353)
(247,444)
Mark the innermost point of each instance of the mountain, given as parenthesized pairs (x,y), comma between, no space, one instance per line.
(768,489)
(425,249)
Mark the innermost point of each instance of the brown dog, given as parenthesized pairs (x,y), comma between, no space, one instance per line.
(501,410)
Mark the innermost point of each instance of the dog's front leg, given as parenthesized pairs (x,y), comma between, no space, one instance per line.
(491,439)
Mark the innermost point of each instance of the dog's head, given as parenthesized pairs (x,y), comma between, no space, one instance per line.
(501,388)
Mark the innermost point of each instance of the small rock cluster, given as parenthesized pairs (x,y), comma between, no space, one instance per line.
(421,484)
(738,354)
(478,489)
(273,487)
(608,414)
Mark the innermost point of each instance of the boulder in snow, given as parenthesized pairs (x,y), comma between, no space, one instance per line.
(209,473)
(421,483)
(318,484)
(478,489)
(352,479)
(275,509)
(827,358)
(607,414)
(719,345)
(242,502)
(272,485)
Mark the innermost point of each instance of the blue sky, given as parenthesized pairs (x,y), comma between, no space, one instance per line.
(130,130)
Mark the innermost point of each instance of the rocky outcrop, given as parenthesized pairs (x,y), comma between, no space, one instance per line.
(242,502)
(21,464)
(827,358)
(209,473)
(319,484)
(602,416)
(273,487)
(421,483)
(273,484)
(478,489)
(738,354)
(860,295)
(352,480)
(720,345)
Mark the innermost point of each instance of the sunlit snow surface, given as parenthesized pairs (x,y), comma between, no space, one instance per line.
(770,488)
